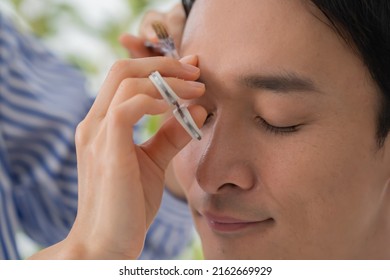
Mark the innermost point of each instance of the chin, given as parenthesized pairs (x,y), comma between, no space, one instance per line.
(233,250)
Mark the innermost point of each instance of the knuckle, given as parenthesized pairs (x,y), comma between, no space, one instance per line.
(120,66)
(81,135)
(142,98)
(129,83)
(117,116)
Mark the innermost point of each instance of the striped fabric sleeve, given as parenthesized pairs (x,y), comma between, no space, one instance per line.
(42,99)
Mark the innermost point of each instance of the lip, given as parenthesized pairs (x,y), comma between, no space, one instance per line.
(225,224)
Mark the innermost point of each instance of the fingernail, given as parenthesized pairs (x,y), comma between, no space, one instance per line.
(190,68)
(187,59)
(196,84)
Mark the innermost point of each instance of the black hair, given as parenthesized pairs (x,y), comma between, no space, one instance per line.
(187,4)
(365,26)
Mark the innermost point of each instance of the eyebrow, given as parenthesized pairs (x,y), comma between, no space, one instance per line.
(283,83)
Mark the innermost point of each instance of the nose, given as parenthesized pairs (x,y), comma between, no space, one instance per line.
(226,161)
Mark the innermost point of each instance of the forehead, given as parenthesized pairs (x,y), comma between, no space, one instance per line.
(233,36)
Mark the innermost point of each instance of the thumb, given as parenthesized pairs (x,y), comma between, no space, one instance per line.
(171,138)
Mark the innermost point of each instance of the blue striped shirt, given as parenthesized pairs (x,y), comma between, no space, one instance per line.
(42,99)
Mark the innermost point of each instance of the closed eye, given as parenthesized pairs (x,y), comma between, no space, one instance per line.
(280,130)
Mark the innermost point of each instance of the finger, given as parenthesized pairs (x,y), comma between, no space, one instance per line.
(168,67)
(146,30)
(121,120)
(171,138)
(132,86)
(136,46)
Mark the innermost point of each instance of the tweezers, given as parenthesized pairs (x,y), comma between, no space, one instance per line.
(180,112)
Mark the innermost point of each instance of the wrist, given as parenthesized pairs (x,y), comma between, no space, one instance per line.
(91,250)
(69,249)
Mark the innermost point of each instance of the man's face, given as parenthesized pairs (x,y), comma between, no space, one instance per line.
(288,166)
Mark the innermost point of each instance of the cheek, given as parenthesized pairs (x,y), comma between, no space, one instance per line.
(303,173)
(324,183)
